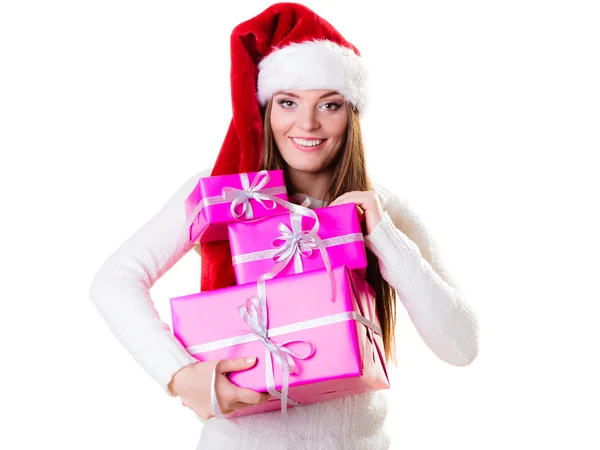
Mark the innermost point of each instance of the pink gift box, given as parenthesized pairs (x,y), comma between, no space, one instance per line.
(254,244)
(209,212)
(348,355)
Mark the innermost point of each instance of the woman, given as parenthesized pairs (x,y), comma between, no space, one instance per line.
(297,89)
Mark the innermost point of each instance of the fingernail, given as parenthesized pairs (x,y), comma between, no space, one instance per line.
(250,359)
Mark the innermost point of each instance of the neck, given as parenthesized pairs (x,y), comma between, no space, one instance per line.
(313,184)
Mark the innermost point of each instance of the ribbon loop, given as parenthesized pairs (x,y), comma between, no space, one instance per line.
(242,197)
(294,243)
(254,315)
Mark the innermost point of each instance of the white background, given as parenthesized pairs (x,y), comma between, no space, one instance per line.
(484,115)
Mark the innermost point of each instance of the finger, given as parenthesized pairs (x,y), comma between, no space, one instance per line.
(364,200)
(234,365)
(236,406)
(251,397)
(211,415)
(340,199)
(361,214)
(240,405)
(343,198)
(353,197)
(359,202)
(350,197)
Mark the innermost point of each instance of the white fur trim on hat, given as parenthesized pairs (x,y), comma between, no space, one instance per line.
(313,65)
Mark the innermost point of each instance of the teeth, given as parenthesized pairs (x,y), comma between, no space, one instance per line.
(305,143)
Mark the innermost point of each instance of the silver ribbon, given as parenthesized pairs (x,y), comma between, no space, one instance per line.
(285,329)
(241,197)
(270,253)
(254,315)
(273,332)
(213,396)
(295,243)
(249,191)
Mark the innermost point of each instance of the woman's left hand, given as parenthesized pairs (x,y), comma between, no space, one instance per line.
(367,202)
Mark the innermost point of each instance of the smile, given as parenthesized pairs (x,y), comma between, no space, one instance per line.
(308,144)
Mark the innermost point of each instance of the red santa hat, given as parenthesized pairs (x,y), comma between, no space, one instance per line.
(287,46)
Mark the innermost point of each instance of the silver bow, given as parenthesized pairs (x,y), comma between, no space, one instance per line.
(254,315)
(249,191)
(295,243)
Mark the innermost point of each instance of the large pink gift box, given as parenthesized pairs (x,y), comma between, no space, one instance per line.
(256,246)
(219,200)
(344,337)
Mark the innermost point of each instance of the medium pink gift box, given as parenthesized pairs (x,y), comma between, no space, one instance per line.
(216,201)
(347,349)
(256,245)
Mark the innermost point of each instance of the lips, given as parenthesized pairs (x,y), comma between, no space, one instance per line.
(298,141)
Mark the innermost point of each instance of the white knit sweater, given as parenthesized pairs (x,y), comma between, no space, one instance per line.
(408,261)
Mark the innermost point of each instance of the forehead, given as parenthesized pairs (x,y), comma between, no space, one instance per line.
(309,94)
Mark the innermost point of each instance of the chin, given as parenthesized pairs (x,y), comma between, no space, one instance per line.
(310,167)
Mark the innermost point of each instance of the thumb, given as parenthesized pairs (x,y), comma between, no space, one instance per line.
(233,365)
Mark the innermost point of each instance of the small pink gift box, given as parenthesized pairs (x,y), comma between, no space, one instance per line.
(220,200)
(338,344)
(257,246)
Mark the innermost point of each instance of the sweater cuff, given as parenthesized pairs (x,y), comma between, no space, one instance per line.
(173,360)
(385,232)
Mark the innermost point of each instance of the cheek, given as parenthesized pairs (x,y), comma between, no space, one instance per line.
(280,123)
(337,125)
(337,129)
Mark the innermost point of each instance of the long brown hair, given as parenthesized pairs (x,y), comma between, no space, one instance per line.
(349,174)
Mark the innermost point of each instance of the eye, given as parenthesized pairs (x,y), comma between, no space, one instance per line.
(286,103)
(331,106)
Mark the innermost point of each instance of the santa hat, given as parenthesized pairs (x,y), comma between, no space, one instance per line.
(287,46)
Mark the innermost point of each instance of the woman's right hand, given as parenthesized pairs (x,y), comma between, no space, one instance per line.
(193,383)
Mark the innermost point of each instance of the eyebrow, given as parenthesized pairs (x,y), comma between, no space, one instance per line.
(290,94)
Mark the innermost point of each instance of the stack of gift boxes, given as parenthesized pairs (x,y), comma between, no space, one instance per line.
(301,304)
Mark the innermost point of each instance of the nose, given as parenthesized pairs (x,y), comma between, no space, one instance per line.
(307,119)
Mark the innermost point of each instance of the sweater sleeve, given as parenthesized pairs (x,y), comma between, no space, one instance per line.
(409,261)
(121,289)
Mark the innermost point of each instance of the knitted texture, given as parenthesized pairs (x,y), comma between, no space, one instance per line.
(408,260)
(349,423)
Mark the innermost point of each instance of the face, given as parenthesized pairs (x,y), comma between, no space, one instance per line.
(309,127)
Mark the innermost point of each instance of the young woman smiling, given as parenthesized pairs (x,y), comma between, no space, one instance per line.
(297,91)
